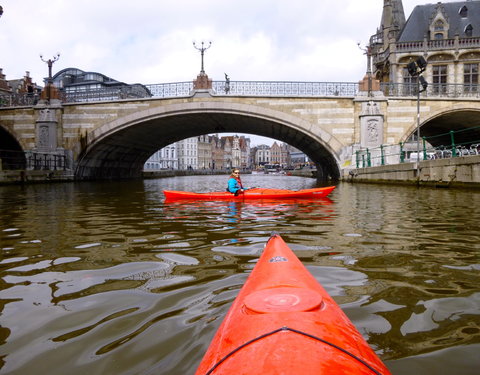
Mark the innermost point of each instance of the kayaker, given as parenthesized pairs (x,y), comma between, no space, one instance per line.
(235,183)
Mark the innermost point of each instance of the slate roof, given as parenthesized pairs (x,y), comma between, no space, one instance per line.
(417,25)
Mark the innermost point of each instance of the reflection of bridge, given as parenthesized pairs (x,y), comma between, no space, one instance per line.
(329,122)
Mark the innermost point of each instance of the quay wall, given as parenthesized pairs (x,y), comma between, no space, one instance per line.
(454,172)
(8,177)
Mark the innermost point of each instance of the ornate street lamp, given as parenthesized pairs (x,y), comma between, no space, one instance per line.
(50,64)
(49,85)
(368,51)
(415,69)
(202,51)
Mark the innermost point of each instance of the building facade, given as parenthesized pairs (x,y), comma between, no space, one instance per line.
(262,155)
(204,152)
(220,153)
(187,152)
(445,35)
(165,158)
(76,85)
(22,91)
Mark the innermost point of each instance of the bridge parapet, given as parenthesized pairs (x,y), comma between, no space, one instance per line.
(283,89)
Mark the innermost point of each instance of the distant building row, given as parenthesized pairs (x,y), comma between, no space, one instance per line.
(223,153)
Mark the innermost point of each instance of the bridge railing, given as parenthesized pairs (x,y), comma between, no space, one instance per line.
(18,100)
(285,89)
(249,88)
(464,142)
(258,88)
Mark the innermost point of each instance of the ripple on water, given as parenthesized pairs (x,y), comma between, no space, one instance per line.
(131,284)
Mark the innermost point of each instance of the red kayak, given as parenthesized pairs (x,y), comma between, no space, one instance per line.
(255,193)
(284,322)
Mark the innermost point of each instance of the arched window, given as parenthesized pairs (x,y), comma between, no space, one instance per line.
(438,36)
(463,11)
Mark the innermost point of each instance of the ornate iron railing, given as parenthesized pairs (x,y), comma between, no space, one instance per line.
(258,88)
(30,160)
(251,89)
(18,100)
(284,89)
(171,90)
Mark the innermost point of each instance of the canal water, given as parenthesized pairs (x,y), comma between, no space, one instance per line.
(107,278)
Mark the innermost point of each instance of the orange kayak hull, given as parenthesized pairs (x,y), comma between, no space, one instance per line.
(256,193)
(284,322)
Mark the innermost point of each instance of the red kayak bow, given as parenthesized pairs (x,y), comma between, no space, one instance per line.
(284,322)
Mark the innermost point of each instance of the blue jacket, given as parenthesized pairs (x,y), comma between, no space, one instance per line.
(233,185)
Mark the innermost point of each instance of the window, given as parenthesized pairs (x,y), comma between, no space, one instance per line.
(463,11)
(438,36)
(409,83)
(439,25)
(469,30)
(439,79)
(470,77)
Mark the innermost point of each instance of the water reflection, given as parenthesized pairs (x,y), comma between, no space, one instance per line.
(107,278)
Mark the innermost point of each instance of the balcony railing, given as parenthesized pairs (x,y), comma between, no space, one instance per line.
(434,90)
(250,89)
(438,44)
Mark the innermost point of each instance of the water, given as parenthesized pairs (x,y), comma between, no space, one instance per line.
(107,278)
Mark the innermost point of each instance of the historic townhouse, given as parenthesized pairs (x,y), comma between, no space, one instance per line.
(204,152)
(218,153)
(444,35)
(245,161)
(187,152)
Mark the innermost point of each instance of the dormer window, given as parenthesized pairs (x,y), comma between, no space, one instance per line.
(463,11)
(438,36)
(469,30)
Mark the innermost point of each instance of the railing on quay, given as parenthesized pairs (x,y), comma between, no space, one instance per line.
(403,153)
(248,88)
(32,160)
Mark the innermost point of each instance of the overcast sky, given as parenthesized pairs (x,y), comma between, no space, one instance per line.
(151,41)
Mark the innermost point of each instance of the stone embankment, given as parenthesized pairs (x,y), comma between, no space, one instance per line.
(454,172)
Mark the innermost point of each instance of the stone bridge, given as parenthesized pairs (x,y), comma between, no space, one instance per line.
(113,139)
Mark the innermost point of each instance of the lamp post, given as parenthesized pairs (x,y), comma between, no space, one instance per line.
(50,80)
(368,52)
(415,69)
(202,51)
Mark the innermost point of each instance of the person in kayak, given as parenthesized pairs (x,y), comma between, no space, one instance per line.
(235,183)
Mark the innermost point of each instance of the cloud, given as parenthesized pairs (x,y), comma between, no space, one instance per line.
(150,41)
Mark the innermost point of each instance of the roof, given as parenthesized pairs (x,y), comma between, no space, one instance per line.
(417,25)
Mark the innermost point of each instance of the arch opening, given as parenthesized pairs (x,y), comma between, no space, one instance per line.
(12,155)
(465,125)
(122,153)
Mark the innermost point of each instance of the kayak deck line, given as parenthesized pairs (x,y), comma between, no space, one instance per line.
(285,329)
(284,322)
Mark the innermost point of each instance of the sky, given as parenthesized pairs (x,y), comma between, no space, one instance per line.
(151,41)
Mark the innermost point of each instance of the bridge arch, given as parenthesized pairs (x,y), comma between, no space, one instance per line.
(119,149)
(11,151)
(465,122)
